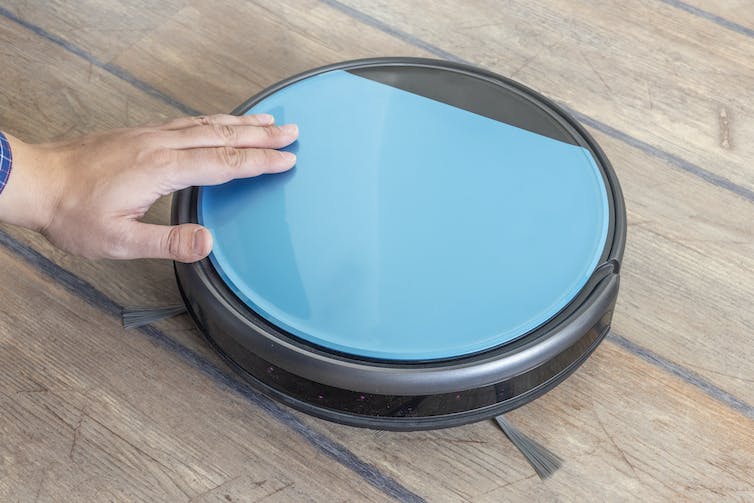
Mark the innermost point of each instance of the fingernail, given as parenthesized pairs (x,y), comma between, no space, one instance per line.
(289,129)
(265,119)
(197,241)
(289,157)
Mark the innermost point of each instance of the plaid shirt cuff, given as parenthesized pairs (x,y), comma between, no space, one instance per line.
(6,161)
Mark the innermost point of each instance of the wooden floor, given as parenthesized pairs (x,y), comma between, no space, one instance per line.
(664,410)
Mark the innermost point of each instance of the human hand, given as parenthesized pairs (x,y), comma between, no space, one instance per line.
(86,195)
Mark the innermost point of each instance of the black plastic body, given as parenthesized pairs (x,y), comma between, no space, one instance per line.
(393,395)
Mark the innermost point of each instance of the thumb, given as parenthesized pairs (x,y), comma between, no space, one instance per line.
(182,243)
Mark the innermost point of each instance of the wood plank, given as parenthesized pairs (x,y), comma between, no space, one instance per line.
(660,441)
(739,12)
(257,46)
(46,93)
(685,288)
(91,412)
(103,28)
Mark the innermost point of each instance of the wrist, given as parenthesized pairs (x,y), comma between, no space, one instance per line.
(33,188)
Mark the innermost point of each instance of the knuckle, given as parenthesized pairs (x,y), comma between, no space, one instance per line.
(271,131)
(226,133)
(270,159)
(203,120)
(232,158)
(146,136)
(164,157)
(173,242)
(267,157)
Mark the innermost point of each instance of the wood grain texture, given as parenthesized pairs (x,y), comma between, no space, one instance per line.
(738,13)
(286,40)
(627,428)
(104,28)
(77,423)
(49,94)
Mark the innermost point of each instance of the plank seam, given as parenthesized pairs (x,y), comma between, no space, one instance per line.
(709,16)
(683,373)
(96,298)
(108,67)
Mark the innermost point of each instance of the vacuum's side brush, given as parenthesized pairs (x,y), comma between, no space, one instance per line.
(544,461)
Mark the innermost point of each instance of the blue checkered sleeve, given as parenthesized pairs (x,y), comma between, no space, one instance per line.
(6,161)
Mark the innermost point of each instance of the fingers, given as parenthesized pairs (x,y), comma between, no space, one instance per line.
(182,243)
(210,150)
(213,166)
(220,119)
(225,135)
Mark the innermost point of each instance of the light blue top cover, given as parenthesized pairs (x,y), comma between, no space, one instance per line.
(409,229)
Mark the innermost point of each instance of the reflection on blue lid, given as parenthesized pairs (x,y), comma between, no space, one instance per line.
(409,229)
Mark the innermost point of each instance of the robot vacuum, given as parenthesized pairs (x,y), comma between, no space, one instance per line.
(446,249)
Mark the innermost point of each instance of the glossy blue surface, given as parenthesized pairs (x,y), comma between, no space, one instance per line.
(409,229)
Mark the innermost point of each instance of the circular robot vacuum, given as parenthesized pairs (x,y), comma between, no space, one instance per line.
(446,249)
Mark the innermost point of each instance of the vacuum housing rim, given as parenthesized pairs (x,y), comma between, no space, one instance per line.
(207,296)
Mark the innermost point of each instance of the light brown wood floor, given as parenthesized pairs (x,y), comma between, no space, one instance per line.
(664,410)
